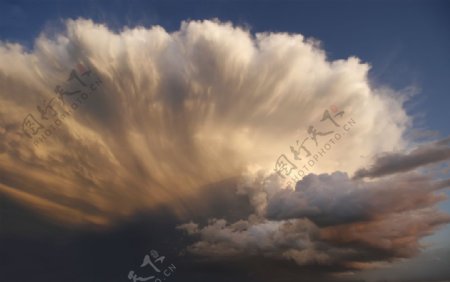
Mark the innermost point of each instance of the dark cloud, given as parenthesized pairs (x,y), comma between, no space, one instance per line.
(35,248)
(336,199)
(395,162)
(328,220)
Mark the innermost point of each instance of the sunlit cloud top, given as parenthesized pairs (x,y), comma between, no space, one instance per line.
(159,116)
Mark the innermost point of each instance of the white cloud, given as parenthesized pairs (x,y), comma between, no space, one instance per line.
(176,111)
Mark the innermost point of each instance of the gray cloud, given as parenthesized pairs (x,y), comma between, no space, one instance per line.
(329,220)
(332,221)
(392,163)
(336,199)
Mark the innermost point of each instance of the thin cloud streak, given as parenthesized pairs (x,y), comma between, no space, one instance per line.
(392,163)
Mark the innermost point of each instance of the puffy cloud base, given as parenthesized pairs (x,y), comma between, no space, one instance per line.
(329,220)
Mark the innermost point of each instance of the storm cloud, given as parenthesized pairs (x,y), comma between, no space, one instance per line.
(330,220)
(141,120)
(161,115)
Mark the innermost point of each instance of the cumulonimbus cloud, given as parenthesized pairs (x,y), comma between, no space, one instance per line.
(150,117)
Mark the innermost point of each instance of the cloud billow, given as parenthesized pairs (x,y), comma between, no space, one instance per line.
(174,112)
(179,112)
(330,220)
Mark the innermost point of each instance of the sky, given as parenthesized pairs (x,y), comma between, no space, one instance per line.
(224,140)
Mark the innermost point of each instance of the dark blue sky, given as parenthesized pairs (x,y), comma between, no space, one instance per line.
(406,42)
